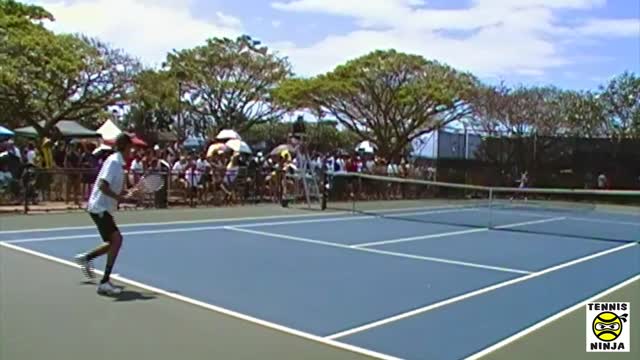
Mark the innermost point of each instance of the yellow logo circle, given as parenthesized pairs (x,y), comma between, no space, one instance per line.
(607,326)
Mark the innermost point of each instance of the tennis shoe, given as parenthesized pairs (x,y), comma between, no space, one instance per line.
(85,265)
(108,289)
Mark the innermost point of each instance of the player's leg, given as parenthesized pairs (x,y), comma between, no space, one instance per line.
(115,243)
(85,259)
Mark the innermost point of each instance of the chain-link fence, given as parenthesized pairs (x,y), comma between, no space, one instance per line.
(559,162)
(46,190)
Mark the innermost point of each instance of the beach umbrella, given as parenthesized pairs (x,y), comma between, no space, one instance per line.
(239,146)
(282,148)
(216,148)
(228,134)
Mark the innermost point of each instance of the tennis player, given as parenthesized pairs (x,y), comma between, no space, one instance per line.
(106,193)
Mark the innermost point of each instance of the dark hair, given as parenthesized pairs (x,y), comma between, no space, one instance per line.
(122,141)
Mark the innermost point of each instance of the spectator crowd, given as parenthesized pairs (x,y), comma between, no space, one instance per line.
(65,171)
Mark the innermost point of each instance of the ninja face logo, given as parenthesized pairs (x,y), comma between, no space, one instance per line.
(607,326)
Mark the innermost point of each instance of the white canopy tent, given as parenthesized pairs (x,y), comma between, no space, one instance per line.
(109,130)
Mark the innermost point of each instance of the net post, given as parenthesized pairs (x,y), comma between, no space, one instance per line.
(353,198)
(490,208)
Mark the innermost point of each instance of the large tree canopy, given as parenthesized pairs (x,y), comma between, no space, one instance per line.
(228,83)
(621,101)
(49,77)
(322,136)
(521,111)
(387,97)
(154,103)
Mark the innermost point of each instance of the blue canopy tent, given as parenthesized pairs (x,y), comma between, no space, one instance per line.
(68,129)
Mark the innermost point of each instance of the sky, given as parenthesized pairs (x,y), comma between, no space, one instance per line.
(573,44)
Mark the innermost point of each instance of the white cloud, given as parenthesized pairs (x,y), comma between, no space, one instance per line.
(147,29)
(500,36)
(610,27)
(559,4)
(491,38)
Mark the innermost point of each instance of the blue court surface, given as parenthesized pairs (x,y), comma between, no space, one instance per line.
(414,288)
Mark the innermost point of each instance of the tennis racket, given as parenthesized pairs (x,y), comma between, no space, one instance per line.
(149,184)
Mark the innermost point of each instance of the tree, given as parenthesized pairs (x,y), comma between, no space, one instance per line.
(621,101)
(154,103)
(47,77)
(321,137)
(229,83)
(584,114)
(521,111)
(387,97)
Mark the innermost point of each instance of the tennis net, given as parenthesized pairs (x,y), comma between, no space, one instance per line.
(610,215)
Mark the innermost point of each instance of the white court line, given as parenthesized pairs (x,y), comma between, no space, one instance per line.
(218,309)
(204,228)
(416,238)
(550,319)
(574,218)
(453,233)
(180,222)
(233,219)
(612,222)
(525,223)
(218,227)
(471,294)
(381,252)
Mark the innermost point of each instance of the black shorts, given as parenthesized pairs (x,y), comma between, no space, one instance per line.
(106,225)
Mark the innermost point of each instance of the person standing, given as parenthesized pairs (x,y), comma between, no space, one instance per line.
(107,191)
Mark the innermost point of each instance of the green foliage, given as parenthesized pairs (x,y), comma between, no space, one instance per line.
(19,11)
(321,136)
(154,103)
(520,111)
(47,77)
(621,102)
(387,97)
(229,83)
(523,111)
(583,113)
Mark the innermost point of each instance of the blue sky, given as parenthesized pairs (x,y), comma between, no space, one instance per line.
(575,44)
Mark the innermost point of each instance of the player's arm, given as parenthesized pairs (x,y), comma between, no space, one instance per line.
(106,189)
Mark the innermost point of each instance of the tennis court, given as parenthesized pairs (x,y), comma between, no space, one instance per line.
(410,280)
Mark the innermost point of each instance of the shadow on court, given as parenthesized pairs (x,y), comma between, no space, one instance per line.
(48,312)
(125,295)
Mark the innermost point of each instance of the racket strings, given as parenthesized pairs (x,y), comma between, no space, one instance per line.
(150,183)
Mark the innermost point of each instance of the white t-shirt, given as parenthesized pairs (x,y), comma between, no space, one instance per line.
(193,177)
(31,157)
(602,181)
(202,165)
(112,171)
(136,166)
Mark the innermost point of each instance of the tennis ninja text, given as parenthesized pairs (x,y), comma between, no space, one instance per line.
(608,307)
